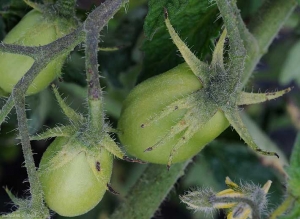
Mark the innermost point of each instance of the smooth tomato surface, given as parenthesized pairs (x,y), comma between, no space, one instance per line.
(33,30)
(73,180)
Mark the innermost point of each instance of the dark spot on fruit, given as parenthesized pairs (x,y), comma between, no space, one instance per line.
(143,126)
(98,166)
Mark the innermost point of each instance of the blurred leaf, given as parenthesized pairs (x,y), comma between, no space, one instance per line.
(39,105)
(155,17)
(2,29)
(294,213)
(291,67)
(294,112)
(294,180)
(196,22)
(294,169)
(265,143)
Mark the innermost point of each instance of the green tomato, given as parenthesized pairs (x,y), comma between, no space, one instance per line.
(74,179)
(34,29)
(149,99)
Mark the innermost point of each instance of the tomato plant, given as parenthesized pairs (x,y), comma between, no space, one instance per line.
(167,119)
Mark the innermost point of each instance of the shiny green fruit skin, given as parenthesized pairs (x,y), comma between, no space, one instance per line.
(33,30)
(73,180)
(149,98)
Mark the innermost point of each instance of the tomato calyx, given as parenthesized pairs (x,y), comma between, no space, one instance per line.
(221,91)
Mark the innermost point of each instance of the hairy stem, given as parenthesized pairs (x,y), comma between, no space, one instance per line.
(92,28)
(56,48)
(149,191)
(265,26)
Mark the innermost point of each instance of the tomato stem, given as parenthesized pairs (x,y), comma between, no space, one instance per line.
(92,28)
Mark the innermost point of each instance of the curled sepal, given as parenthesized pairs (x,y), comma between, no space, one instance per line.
(74,117)
(198,67)
(25,209)
(111,146)
(237,123)
(253,98)
(58,131)
(217,59)
(34,5)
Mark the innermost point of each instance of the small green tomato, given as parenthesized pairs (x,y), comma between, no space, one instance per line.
(141,127)
(35,29)
(74,178)
(171,117)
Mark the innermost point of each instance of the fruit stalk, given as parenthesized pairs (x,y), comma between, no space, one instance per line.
(149,191)
(92,29)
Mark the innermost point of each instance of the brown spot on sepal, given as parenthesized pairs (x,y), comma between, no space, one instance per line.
(133,160)
(111,190)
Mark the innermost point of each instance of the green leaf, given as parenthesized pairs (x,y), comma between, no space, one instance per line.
(291,67)
(294,213)
(155,17)
(194,20)
(294,169)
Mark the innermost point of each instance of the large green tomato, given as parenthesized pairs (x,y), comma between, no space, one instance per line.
(74,179)
(33,30)
(147,100)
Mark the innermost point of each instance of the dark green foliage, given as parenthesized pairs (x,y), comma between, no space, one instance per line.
(195,21)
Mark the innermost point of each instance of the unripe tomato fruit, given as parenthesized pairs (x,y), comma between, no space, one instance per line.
(33,30)
(150,98)
(74,179)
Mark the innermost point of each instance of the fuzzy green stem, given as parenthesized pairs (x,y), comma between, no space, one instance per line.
(285,205)
(149,191)
(92,27)
(17,49)
(46,54)
(265,26)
